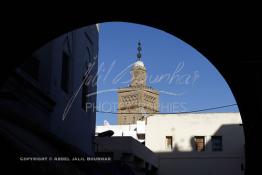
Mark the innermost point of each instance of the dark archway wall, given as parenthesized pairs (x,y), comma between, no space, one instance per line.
(231,40)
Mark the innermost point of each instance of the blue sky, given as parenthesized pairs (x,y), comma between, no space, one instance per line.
(193,82)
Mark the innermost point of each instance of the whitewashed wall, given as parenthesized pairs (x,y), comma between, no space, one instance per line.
(183,159)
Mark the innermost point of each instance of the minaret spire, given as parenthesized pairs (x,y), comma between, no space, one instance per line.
(139,50)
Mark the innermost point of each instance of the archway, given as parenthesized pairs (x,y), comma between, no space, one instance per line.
(224,59)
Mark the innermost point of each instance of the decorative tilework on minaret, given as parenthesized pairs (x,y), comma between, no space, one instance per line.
(138,100)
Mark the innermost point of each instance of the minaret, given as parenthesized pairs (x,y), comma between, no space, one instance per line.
(137,100)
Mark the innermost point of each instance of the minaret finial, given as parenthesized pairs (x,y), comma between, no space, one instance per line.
(139,50)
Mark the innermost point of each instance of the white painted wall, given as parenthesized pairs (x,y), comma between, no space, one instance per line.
(124,130)
(119,130)
(141,129)
(183,159)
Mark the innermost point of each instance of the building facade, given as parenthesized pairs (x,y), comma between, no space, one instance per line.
(204,143)
(137,131)
(127,151)
(137,100)
(49,91)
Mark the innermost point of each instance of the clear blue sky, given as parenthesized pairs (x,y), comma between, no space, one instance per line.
(186,74)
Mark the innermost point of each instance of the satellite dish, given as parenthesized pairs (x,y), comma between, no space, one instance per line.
(106,123)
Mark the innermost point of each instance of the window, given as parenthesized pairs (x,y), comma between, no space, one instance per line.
(84,94)
(169,141)
(31,67)
(200,143)
(216,143)
(65,72)
(134,120)
(141,136)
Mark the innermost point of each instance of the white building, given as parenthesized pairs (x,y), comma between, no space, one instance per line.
(137,131)
(204,143)
(189,144)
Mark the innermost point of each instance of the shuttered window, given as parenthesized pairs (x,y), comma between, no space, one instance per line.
(169,142)
(200,143)
(216,143)
(141,136)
